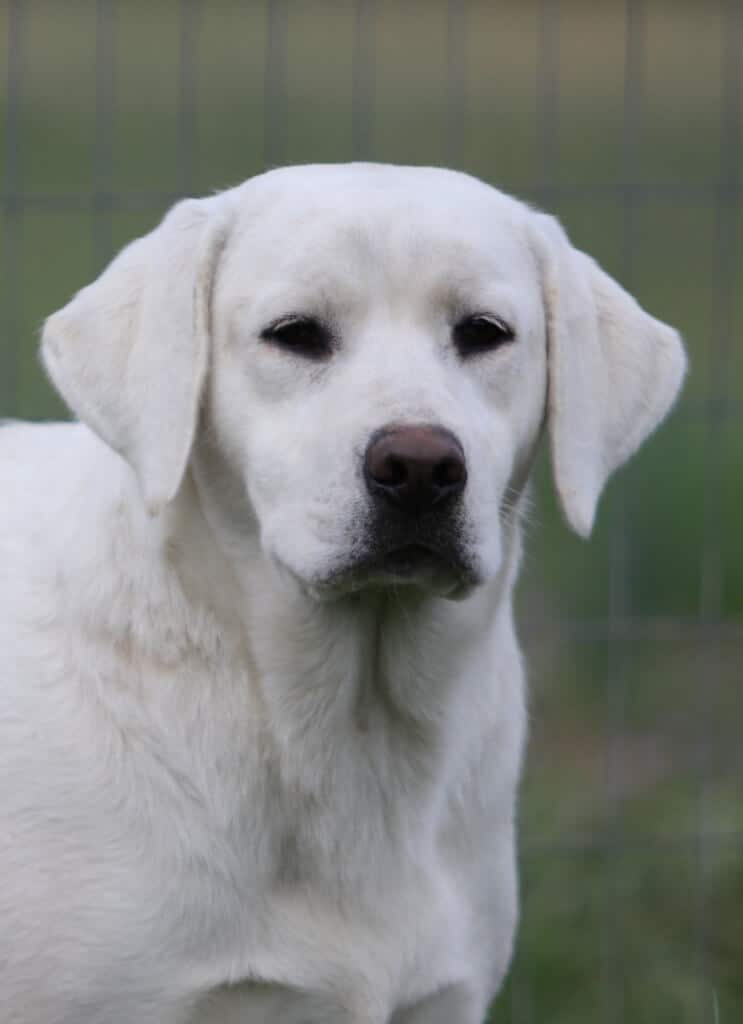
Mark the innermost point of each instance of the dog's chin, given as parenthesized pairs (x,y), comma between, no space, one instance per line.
(412,567)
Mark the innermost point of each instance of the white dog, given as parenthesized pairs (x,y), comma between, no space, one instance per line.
(261,700)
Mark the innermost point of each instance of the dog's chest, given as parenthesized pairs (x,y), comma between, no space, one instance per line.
(303,945)
(320,882)
(323,907)
(332,891)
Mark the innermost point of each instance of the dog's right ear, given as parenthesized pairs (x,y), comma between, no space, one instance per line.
(129,353)
(614,371)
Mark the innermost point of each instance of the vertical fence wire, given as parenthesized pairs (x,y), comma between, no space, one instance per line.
(190,12)
(13,208)
(274,99)
(711,593)
(362,100)
(548,96)
(716,439)
(619,633)
(547,89)
(105,123)
(456,82)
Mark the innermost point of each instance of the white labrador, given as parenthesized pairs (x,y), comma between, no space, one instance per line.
(261,706)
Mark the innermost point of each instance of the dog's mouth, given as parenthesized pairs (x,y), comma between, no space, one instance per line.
(441,570)
(409,560)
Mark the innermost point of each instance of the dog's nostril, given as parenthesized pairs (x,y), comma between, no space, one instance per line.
(392,472)
(450,471)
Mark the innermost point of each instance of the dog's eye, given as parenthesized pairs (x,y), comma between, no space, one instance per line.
(302,335)
(481,333)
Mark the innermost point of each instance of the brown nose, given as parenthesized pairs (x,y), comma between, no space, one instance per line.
(414,467)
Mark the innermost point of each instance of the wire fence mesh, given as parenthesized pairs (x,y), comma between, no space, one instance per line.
(625,119)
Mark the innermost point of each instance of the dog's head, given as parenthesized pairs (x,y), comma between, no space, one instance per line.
(368,352)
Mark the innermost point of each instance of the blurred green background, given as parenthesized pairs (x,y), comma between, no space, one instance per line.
(625,120)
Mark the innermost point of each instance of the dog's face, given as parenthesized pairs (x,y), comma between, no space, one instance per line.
(378,372)
(372,348)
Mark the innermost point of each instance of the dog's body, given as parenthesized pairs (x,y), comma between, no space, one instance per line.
(261,702)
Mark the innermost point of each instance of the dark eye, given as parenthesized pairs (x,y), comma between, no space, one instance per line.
(302,335)
(481,333)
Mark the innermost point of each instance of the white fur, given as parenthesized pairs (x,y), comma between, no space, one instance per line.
(230,789)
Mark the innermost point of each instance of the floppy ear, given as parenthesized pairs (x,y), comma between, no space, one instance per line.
(614,372)
(129,352)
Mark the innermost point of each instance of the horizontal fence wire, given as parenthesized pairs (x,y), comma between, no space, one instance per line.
(639,192)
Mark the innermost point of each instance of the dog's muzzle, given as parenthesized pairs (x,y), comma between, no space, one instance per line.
(415,476)
(414,530)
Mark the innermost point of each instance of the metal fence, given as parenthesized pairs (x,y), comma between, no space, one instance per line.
(624,118)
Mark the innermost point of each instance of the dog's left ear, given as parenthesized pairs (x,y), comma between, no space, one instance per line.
(129,352)
(614,371)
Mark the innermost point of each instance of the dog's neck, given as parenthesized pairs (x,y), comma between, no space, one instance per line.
(387,661)
(369,690)
(381,699)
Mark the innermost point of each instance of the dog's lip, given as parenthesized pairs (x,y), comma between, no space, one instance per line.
(406,559)
(413,562)
(418,563)
(415,565)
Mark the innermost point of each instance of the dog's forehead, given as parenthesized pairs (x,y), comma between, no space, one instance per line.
(361,216)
